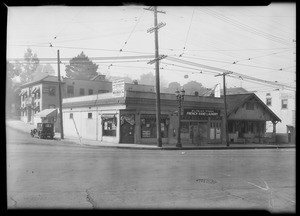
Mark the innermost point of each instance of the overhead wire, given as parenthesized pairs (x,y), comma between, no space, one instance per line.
(187,36)
(246,27)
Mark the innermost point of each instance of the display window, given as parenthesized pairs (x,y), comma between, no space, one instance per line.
(148,126)
(109,125)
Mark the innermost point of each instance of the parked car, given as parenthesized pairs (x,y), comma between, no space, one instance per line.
(43,130)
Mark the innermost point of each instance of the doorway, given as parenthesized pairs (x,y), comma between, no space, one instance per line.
(127,133)
(198,132)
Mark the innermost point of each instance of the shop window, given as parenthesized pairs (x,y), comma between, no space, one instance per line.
(148,126)
(52,90)
(284,104)
(250,106)
(90,91)
(90,115)
(70,90)
(81,91)
(109,126)
(71,115)
(269,101)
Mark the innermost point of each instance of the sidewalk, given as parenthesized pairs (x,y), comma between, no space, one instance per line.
(24,127)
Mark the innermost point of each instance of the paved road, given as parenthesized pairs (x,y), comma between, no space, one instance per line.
(48,174)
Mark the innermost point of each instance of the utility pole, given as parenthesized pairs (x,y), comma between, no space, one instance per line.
(157,82)
(60,98)
(225,106)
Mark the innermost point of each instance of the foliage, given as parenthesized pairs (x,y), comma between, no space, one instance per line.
(48,69)
(147,79)
(31,62)
(172,87)
(81,67)
(192,86)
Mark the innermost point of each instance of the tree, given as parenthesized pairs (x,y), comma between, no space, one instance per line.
(147,79)
(45,69)
(31,62)
(172,87)
(13,70)
(81,67)
(192,86)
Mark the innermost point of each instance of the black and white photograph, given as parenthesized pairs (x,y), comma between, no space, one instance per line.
(151,107)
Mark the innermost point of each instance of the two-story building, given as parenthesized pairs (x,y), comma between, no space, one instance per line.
(43,93)
(283,103)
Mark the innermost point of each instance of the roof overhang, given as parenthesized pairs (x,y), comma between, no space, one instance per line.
(47,113)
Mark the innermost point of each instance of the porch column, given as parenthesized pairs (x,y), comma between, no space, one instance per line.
(274,126)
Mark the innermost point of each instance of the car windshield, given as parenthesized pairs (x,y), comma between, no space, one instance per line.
(48,125)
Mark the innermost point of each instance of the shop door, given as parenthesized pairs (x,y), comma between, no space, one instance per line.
(195,134)
(203,131)
(127,133)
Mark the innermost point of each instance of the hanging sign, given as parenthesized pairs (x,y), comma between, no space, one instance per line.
(118,88)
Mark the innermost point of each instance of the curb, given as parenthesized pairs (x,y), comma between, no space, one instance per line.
(165,148)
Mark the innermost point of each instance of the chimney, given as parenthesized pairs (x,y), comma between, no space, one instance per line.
(135,82)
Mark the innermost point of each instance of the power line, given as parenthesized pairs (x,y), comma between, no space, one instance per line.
(132,30)
(80,48)
(187,36)
(246,27)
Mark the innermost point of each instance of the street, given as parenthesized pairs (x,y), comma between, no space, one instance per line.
(50,174)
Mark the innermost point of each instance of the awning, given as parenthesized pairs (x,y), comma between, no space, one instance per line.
(47,113)
(34,89)
(108,116)
(23,91)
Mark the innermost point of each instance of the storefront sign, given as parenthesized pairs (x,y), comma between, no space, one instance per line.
(201,112)
(118,88)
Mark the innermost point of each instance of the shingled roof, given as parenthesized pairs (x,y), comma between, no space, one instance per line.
(235,101)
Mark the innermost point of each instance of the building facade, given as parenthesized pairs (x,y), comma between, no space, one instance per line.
(43,93)
(247,118)
(131,118)
(281,102)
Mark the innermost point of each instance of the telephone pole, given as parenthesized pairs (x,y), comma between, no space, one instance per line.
(225,106)
(60,98)
(157,82)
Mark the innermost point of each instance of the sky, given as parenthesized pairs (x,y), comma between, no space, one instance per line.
(257,41)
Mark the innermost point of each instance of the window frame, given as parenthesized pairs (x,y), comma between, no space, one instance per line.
(81,92)
(70,87)
(150,122)
(282,100)
(249,106)
(270,100)
(50,92)
(109,127)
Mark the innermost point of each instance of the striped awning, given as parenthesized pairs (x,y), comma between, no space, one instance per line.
(47,113)
(23,91)
(34,89)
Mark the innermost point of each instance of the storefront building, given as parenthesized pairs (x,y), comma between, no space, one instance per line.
(131,118)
